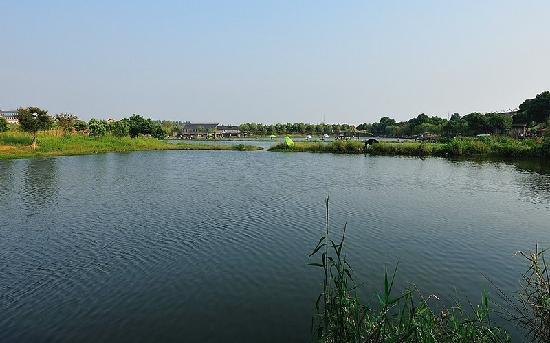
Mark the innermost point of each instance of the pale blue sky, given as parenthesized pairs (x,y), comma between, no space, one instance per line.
(272,61)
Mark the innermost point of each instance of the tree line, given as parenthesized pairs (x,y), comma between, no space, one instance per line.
(535,113)
(35,119)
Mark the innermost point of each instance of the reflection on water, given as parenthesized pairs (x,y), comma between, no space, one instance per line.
(39,182)
(533,177)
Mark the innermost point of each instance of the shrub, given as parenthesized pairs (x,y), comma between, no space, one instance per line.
(3,124)
(120,128)
(546,143)
(97,128)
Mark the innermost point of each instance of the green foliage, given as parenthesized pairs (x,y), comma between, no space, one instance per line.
(138,125)
(97,128)
(340,315)
(499,122)
(535,110)
(141,126)
(66,121)
(337,147)
(477,123)
(80,144)
(456,126)
(545,149)
(3,124)
(294,128)
(497,146)
(120,128)
(80,125)
(34,119)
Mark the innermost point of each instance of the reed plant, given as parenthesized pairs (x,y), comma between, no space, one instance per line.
(340,316)
(529,309)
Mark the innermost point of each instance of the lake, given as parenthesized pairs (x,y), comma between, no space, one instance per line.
(212,246)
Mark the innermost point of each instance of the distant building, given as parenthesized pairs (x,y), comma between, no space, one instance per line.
(519,130)
(228,131)
(207,130)
(10,116)
(197,130)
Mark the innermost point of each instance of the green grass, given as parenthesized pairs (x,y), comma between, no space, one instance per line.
(456,147)
(17,145)
(337,147)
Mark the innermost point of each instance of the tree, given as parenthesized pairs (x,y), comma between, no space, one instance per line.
(157,131)
(80,125)
(534,110)
(66,121)
(32,120)
(3,124)
(456,126)
(380,127)
(139,126)
(498,122)
(477,123)
(120,128)
(97,128)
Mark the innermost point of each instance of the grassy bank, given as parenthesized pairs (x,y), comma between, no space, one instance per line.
(490,146)
(17,145)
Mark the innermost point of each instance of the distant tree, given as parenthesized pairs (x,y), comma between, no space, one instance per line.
(456,126)
(32,120)
(80,125)
(66,121)
(169,127)
(120,128)
(97,128)
(498,122)
(535,110)
(380,127)
(139,126)
(3,124)
(477,123)
(157,131)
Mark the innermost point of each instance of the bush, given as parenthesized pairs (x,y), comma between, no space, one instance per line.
(546,143)
(97,128)
(3,124)
(80,125)
(120,128)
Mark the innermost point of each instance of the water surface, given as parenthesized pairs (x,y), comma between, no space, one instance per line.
(211,246)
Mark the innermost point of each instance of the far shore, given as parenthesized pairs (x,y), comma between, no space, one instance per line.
(17,145)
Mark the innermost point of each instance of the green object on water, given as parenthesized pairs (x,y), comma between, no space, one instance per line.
(288,141)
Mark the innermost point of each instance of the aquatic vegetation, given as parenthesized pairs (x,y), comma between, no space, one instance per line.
(405,317)
(530,308)
(455,147)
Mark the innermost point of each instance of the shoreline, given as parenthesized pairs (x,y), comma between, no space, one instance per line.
(499,147)
(17,145)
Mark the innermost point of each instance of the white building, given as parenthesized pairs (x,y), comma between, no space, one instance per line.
(10,116)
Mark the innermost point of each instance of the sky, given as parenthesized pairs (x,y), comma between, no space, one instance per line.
(273,61)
